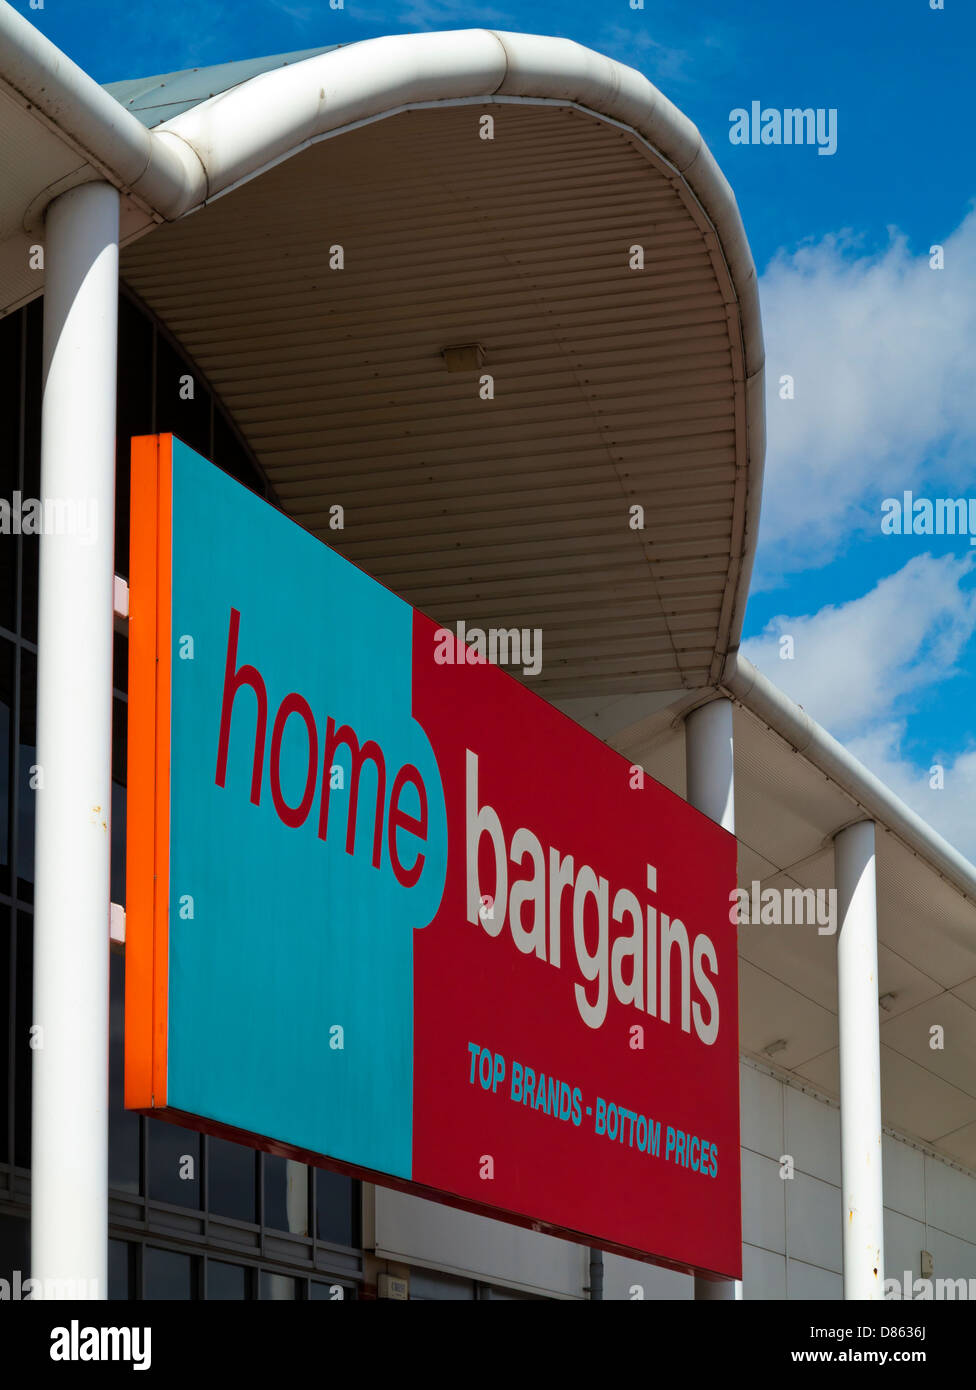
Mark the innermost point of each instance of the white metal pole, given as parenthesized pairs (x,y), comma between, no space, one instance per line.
(710,787)
(709,774)
(860,1062)
(69,1155)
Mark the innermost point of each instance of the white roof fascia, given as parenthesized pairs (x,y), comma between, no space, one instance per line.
(72,104)
(756,693)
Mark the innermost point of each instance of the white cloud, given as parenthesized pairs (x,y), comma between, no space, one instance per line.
(881,349)
(854,663)
(656,41)
(859,666)
(301,14)
(450,14)
(948,809)
(662,63)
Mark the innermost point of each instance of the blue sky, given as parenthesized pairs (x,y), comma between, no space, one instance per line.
(881,347)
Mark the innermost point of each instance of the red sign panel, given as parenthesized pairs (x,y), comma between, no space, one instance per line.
(575,998)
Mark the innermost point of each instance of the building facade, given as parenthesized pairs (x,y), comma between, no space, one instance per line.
(493,298)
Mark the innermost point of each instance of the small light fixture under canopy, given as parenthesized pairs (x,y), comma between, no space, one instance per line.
(465,357)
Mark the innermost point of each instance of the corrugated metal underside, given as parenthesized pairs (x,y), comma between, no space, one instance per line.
(613,387)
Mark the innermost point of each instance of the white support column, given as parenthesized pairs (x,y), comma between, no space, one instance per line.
(860,1062)
(69,1156)
(710,778)
(710,785)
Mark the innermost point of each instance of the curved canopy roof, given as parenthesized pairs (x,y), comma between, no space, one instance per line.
(614,386)
(153,100)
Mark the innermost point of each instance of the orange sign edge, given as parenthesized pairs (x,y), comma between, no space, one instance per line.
(148,793)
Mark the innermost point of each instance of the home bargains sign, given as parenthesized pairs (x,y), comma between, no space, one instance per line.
(390,911)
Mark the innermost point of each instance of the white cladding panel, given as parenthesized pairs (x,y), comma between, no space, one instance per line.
(791,1226)
(429,1233)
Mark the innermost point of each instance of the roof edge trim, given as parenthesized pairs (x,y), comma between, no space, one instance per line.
(93,123)
(756,693)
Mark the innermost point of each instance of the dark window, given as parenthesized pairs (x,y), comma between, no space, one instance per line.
(120,680)
(231,1180)
(176,413)
(22,1039)
(230,455)
(121,1283)
(118,734)
(226,1282)
(6,1033)
(11,329)
(278,1286)
(28,776)
(167,1274)
(6,753)
(174,1164)
(123,1125)
(285,1195)
(14,1247)
(336,1208)
(134,412)
(32,463)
